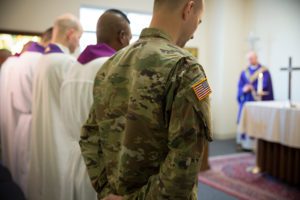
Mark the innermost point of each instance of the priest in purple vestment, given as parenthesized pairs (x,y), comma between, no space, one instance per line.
(113,34)
(255,84)
(47,147)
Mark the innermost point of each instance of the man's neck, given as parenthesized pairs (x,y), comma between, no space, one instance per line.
(167,27)
(62,46)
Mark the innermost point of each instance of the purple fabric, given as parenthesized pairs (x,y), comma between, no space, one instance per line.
(92,52)
(245,97)
(53,48)
(35,47)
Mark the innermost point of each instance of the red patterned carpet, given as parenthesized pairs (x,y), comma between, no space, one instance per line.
(229,174)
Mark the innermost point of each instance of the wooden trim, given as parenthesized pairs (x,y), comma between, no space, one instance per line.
(15,32)
(279,161)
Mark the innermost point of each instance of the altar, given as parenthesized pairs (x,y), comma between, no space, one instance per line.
(276,126)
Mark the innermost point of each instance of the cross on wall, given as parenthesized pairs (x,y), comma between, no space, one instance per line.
(290,69)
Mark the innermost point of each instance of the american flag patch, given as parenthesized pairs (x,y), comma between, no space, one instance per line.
(201,89)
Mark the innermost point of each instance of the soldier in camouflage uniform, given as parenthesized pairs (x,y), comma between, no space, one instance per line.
(150,120)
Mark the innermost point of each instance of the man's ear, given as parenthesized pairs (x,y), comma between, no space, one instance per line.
(70,32)
(122,37)
(188,9)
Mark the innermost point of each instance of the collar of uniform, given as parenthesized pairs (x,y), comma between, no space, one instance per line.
(153,32)
(63,48)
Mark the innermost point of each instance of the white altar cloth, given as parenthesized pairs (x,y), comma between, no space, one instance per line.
(272,121)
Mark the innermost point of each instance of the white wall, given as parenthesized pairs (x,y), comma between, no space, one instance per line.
(33,15)
(38,15)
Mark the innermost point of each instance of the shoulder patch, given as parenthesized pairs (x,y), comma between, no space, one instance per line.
(201,89)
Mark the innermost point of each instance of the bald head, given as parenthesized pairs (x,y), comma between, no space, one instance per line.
(67,31)
(113,29)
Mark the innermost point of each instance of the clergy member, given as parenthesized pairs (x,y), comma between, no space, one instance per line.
(8,120)
(8,115)
(22,104)
(255,84)
(4,55)
(46,163)
(113,33)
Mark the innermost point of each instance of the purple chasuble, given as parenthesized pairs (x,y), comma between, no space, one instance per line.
(92,52)
(53,48)
(35,47)
(245,97)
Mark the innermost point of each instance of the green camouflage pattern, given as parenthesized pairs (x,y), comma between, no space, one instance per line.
(145,136)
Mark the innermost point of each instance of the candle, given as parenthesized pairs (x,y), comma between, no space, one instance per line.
(260,84)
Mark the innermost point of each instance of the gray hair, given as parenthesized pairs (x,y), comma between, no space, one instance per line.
(65,22)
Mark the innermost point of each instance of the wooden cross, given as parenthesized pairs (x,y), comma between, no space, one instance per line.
(290,69)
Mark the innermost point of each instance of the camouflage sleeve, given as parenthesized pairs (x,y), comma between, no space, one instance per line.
(92,154)
(189,131)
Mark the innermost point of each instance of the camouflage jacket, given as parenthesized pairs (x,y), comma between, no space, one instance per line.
(147,128)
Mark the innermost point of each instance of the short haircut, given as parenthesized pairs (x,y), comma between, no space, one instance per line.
(109,25)
(119,12)
(173,4)
(65,22)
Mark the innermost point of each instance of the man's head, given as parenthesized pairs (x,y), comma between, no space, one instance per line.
(4,54)
(113,29)
(252,58)
(46,37)
(67,31)
(180,17)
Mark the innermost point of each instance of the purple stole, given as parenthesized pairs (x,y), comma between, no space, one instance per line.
(93,52)
(35,47)
(52,48)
